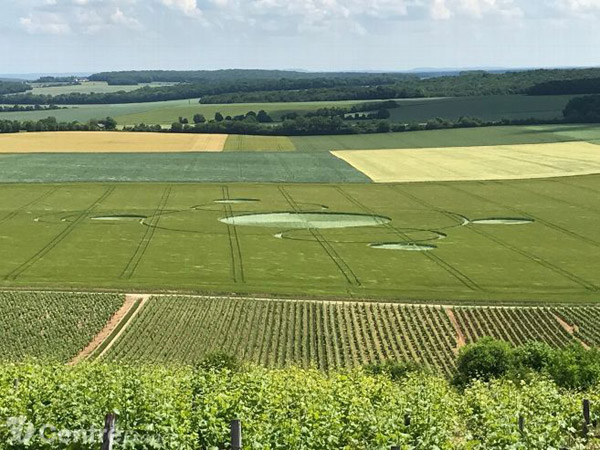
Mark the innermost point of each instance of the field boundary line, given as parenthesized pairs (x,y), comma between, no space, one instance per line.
(237,262)
(542,262)
(143,299)
(461,341)
(58,238)
(337,259)
(44,196)
(144,243)
(458,305)
(105,333)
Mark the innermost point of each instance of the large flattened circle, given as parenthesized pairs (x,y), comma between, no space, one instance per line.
(301,220)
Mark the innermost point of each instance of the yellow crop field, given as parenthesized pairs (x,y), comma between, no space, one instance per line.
(110,142)
(502,162)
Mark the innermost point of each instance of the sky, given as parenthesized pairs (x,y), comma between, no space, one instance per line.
(58,36)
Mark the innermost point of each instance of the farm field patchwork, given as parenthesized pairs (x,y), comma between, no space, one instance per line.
(526,240)
(409,111)
(476,163)
(459,137)
(109,142)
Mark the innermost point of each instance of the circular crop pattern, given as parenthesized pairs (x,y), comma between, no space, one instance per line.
(301,220)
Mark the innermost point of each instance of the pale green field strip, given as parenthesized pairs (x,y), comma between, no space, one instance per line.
(245,143)
(506,241)
(201,167)
(476,163)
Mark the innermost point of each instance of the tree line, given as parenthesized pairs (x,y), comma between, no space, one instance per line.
(255,86)
(30,108)
(583,109)
(51,124)
(12,87)
(566,87)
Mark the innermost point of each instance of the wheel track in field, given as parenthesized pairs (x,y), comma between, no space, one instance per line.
(143,245)
(327,247)
(235,249)
(544,222)
(576,186)
(16,273)
(450,269)
(542,262)
(15,212)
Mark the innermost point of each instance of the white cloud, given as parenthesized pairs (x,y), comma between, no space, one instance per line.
(440,11)
(187,7)
(581,8)
(481,8)
(78,16)
(44,23)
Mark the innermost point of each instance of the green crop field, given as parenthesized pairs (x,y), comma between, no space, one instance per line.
(245,143)
(451,138)
(410,110)
(487,108)
(179,167)
(430,241)
(88,87)
(51,327)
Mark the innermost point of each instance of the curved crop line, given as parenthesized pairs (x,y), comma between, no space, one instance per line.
(13,213)
(456,273)
(548,265)
(337,259)
(58,238)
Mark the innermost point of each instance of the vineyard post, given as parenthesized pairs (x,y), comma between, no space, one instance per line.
(109,432)
(236,435)
(16,383)
(395,448)
(586,417)
(407,420)
(521,424)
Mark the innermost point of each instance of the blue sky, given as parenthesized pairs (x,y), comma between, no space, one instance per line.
(95,35)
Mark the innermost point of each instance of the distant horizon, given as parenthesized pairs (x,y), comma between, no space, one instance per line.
(35,75)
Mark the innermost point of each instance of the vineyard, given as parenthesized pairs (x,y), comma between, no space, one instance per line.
(181,408)
(514,325)
(585,323)
(52,327)
(271,332)
(280,333)
(330,335)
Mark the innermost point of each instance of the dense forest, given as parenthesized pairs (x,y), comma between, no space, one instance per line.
(567,87)
(233,75)
(271,86)
(12,87)
(583,109)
